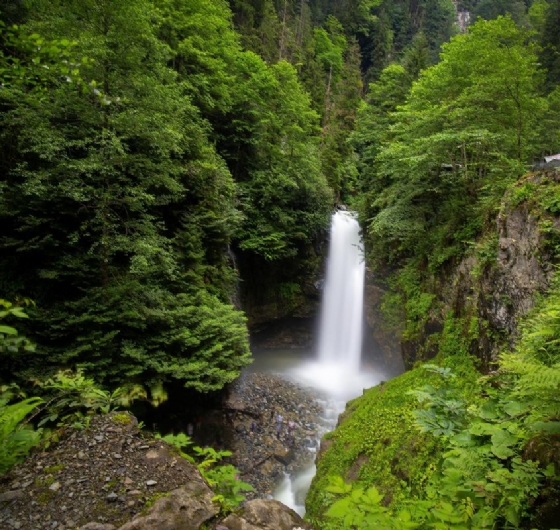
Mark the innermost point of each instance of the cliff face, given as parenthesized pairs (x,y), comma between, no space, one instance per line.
(495,284)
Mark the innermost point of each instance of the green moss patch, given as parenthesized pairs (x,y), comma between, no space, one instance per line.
(378,444)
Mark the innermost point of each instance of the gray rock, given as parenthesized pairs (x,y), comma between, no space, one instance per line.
(13,495)
(185,508)
(262,514)
(97,526)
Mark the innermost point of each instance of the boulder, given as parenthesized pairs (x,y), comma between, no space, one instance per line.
(185,508)
(260,514)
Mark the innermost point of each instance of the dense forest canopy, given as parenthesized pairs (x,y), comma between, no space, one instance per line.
(144,141)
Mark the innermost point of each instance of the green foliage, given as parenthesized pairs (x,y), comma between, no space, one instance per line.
(10,341)
(74,398)
(140,209)
(329,47)
(222,478)
(484,478)
(448,164)
(16,436)
(443,412)
(31,61)
(179,441)
(377,443)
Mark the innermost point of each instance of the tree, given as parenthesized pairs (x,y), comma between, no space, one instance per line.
(467,128)
(131,279)
(550,43)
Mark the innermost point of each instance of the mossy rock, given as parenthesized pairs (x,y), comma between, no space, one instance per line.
(377,443)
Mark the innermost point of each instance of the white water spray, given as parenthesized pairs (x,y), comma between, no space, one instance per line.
(337,369)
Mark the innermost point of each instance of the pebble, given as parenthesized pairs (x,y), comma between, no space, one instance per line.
(55,486)
(151,482)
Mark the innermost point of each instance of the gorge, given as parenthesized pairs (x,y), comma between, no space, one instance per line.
(168,173)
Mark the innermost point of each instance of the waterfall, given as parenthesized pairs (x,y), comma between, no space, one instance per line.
(340,332)
(335,374)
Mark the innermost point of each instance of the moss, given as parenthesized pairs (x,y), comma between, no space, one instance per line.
(122,419)
(150,501)
(44,481)
(378,431)
(45,497)
(55,469)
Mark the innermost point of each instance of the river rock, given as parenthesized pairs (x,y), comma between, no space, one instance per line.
(262,453)
(262,514)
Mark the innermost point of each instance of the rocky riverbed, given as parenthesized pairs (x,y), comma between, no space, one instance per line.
(265,450)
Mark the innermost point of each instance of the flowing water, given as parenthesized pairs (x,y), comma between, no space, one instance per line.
(335,371)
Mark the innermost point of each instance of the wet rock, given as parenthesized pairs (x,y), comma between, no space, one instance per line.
(285,456)
(264,449)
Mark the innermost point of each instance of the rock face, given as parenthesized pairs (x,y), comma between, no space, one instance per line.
(112,476)
(185,508)
(374,290)
(498,282)
(265,515)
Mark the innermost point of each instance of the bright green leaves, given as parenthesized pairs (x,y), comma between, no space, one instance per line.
(503,443)
(16,438)
(330,45)
(222,478)
(362,508)
(284,196)
(467,128)
(139,206)
(483,477)
(359,509)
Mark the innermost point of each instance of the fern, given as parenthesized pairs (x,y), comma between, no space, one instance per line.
(16,438)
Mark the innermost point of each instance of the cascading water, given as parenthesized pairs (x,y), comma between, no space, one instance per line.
(340,337)
(336,374)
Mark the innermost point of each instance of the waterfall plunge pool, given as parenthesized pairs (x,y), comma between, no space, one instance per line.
(333,386)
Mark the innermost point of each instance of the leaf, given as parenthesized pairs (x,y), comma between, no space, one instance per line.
(339,509)
(551,427)
(482,428)
(337,485)
(514,408)
(512,515)
(463,439)
(8,330)
(502,442)
(489,410)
